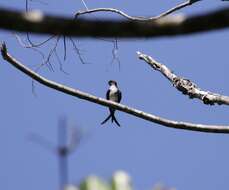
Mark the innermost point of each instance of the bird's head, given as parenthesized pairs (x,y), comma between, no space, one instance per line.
(112,82)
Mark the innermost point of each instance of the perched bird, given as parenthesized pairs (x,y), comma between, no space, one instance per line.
(115,95)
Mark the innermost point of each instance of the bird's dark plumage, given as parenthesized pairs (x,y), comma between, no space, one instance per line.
(113,94)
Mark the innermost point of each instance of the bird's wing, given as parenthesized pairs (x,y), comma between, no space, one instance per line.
(107,95)
(119,96)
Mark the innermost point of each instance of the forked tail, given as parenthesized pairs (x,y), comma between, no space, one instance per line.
(113,119)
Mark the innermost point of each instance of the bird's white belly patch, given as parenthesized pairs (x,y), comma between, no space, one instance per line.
(114,97)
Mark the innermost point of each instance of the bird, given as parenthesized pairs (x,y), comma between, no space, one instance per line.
(115,95)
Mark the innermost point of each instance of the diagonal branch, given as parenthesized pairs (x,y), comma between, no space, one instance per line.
(186,86)
(107,103)
(132,18)
(37,22)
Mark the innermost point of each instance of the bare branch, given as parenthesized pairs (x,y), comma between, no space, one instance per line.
(85,5)
(176,8)
(38,44)
(22,43)
(107,103)
(114,54)
(65,48)
(52,51)
(88,11)
(37,22)
(60,64)
(77,50)
(186,86)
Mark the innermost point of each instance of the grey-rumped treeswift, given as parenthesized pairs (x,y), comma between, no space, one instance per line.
(115,95)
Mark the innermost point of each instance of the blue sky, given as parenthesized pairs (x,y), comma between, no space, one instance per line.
(148,152)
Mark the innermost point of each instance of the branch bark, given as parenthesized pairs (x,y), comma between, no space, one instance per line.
(37,22)
(91,98)
(186,86)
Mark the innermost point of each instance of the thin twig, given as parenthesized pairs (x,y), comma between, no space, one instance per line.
(20,41)
(60,64)
(115,43)
(101,101)
(48,63)
(114,53)
(65,48)
(85,5)
(186,86)
(79,13)
(177,7)
(27,33)
(77,50)
(139,18)
(52,51)
(32,44)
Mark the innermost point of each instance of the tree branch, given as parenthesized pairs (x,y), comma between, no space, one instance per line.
(186,86)
(132,18)
(37,22)
(107,103)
